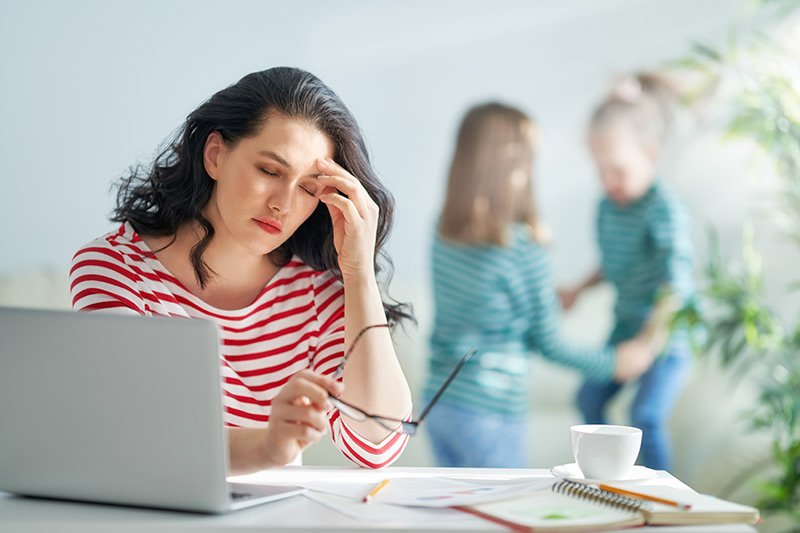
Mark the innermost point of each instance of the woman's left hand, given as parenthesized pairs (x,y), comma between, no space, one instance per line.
(354,217)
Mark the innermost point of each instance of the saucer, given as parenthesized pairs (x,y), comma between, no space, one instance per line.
(636,474)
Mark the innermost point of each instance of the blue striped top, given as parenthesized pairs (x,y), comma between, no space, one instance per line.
(645,246)
(501,300)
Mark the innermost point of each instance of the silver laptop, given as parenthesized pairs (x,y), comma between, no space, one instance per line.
(116,409)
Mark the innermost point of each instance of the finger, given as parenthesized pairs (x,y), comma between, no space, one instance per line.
(326,382)
(307,415)
(327,190)
(300,432)
(352,188)
(326,165)
(332,210)
(345,183)
(352,184)
(303,392)
(303,401)
(348,209)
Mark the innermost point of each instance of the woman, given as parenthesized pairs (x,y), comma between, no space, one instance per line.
(265,217)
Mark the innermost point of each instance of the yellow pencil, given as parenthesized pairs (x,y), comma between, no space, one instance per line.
(631,494)
(374,491)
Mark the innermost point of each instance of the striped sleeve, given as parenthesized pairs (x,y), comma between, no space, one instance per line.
(669,225)
(329,305)
(534,280)
(100,280)
(329,302)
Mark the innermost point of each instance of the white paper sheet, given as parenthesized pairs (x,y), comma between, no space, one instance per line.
(429,491)
(386,513)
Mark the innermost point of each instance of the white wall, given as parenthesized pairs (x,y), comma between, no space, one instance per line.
(91,87)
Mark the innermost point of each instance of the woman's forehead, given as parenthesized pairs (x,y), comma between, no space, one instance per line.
(293,139)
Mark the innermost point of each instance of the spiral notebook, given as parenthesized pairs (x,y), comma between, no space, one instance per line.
(574,506)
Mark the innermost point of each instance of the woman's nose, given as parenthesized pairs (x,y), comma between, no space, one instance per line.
(280,199)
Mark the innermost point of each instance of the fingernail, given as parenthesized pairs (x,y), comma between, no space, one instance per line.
(324,162)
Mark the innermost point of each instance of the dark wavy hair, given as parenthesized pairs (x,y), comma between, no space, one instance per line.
(156,200)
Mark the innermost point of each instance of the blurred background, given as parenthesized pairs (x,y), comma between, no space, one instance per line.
(93,87)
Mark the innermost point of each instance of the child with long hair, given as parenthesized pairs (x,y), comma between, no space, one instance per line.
(644,236)
(493,289)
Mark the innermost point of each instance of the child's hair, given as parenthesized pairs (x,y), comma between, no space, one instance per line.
(644,100)
(490,186)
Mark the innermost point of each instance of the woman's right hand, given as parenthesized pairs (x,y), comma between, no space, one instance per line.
(299,416)
(634,358)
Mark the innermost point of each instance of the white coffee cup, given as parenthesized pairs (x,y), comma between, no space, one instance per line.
(605,451)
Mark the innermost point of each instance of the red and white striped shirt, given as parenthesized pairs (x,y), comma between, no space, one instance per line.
(296,323)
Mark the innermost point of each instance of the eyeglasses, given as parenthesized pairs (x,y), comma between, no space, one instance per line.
(340,368)
(392,424)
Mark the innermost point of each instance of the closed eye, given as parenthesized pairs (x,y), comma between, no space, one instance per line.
(268,173)
(309,190)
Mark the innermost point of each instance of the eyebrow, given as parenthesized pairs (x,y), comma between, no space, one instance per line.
(276,157)
(282,161)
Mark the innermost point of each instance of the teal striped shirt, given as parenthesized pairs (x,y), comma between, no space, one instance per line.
(501,300)
(645,246)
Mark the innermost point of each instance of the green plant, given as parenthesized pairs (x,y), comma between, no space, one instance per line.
(742,328)
(750,338)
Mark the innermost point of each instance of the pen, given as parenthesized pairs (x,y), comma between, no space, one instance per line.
(374,491)
(623,492)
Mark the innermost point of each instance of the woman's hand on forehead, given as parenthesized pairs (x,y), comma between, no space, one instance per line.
(354,215)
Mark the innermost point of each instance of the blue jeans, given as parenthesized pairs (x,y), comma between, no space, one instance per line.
(659,389)
(463,437)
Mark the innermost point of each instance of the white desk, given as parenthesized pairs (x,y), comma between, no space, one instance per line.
(297,514)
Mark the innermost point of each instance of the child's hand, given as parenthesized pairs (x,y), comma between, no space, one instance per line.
(568,297)
(634,358)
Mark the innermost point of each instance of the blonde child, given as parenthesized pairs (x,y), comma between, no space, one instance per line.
(643,232)
(493,289)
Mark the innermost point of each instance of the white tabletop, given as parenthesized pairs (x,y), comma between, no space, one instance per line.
(298,514)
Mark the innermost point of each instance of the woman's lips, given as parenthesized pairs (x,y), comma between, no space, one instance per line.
(273,227)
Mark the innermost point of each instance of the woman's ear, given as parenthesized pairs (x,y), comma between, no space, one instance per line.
(211,153)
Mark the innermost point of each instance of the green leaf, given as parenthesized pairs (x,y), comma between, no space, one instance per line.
(707,51)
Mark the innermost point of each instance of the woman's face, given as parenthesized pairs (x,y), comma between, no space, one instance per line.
(266,185)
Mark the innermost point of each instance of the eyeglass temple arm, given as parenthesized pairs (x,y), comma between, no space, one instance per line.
(340,369)
(409,427)
(452,375)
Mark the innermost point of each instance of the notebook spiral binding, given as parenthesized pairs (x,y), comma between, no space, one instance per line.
(587,492)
